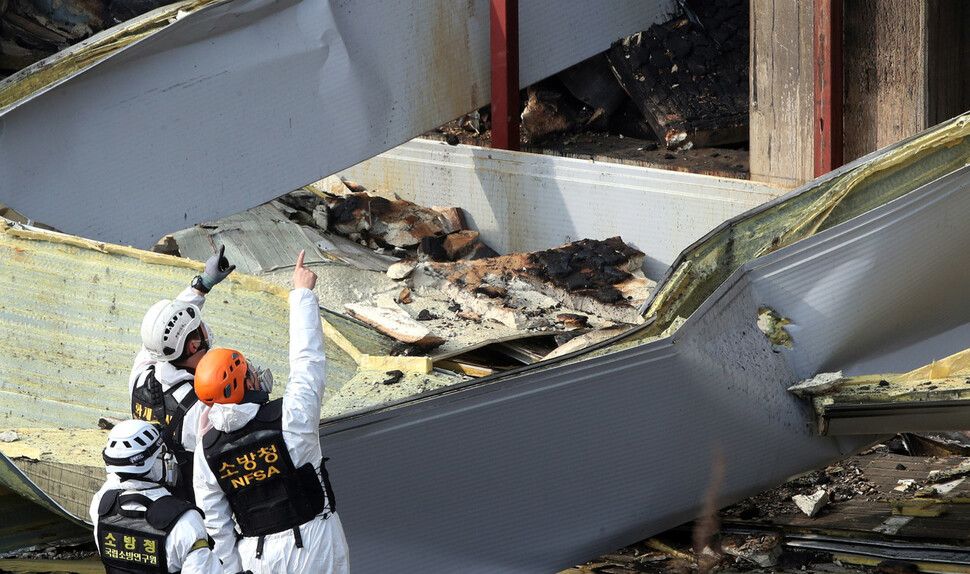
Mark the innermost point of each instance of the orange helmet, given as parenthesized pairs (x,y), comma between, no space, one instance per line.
(220,377)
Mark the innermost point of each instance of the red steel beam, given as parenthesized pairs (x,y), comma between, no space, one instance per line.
(828,128)
(504,24)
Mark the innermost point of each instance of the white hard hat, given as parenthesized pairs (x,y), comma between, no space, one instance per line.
(133,446)
(166,326)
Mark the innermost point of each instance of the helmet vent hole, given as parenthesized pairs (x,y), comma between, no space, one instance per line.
(191,312)
(140,441)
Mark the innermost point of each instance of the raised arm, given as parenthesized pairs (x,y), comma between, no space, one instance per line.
(308,370)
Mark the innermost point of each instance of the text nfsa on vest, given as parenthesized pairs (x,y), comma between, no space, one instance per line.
(250,467)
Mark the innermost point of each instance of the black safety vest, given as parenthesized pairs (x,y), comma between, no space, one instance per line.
(133,541)
(255,471)
(149,402)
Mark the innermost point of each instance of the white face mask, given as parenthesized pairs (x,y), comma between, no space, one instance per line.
(164,469)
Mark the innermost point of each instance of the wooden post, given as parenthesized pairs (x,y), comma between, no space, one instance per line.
(782,122)
(504,24)
(828,128)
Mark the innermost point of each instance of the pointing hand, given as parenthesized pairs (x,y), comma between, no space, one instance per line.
(303,277)
(217,268)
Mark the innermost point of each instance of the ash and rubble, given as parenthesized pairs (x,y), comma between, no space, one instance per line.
(681,84)
(759,535)
(438,287)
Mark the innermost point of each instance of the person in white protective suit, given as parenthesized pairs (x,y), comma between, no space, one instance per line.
(259,468)
(139,526)
(174,339)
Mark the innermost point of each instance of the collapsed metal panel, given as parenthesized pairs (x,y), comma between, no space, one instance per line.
(547,468)
(242,101)
(523,202)
(884,287)
(24,524)
(15,479)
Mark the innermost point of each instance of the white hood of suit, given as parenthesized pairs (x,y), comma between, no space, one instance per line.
(229,418)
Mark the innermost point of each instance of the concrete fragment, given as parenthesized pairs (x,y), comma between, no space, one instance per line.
(321,216)
(817,385)
(401,269)
(761,550)
(332,185)
(395,223)
(586,340)
(600,278)
(905,484)
(459,244)
(963,469)
(455,217)
(810,504)
(9,436)
(398,325)
(484,307)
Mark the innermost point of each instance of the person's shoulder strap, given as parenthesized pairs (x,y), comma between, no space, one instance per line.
(107,501)
(152,385)
(163,513)
(187,402)
(210,437)
(270,411)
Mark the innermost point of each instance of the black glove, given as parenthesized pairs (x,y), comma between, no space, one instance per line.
(217,268)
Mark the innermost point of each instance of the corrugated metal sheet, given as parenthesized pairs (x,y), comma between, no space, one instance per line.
(523,202)
(59,469)
(257,240)
(69,319)
(70,315)
(240,102)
